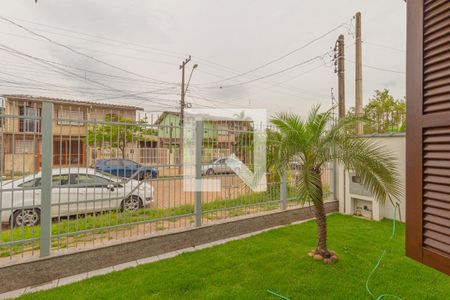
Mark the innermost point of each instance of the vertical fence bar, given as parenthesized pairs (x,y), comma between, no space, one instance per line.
(283,189)
(333,188)
(198,172)
(46,181)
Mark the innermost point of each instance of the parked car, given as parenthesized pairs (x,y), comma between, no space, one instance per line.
(224,165)
(126,168)
(75,191)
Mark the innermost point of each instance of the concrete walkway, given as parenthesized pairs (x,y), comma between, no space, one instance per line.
(131,264)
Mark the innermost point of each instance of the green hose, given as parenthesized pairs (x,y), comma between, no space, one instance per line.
(277,295)
(380,297)
(379,262)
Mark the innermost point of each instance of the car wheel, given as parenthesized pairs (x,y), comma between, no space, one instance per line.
(27,217)
(210,172)
(131,203)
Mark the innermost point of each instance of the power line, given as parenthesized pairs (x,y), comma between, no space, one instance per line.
(197,95)
(303,73)
(22,85)
(275,73)
(216,65)
(281,57)
(121,43)
(54,65)
(206,62)
(96,72)
(378,68)
(96,50)
(383,46)
(79,52)
(49,73)
(17,52)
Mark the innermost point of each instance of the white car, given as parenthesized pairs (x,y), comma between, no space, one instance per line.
(225,165)
(74,191)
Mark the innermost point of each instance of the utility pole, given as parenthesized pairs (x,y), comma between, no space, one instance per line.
(358,72)
(182,107)
(183,94)
(339,61)
(183,104)
(333,105)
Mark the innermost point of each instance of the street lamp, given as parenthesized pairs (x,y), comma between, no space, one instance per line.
(190,76)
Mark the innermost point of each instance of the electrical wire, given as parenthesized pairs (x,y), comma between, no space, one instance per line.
(207,62)
(281,57)
(79,52)
(73,74)
(383,46)
(47,62)
(122,44)
(276,73)
(378,68)
(216,65)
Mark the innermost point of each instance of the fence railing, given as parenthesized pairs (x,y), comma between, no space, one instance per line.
(82,182)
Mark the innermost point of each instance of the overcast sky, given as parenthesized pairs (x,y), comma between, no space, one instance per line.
(136,47)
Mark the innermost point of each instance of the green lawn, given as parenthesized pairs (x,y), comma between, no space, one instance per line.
(275,260)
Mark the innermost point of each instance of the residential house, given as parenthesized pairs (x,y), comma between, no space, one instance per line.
(21,131)
(221,135)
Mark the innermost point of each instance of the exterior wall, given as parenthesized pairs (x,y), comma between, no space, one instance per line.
(19,163)
(164,128)
(211,130)
(395,144)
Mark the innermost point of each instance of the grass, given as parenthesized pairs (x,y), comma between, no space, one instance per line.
(275,260)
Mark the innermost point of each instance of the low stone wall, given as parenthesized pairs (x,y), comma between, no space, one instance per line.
(42,270)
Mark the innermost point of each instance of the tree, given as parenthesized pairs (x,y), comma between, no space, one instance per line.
(385,113)
(318,141)
(117,132)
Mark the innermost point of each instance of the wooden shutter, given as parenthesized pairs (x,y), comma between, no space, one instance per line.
(428,133)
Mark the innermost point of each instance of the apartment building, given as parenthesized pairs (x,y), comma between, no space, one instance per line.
(21,131)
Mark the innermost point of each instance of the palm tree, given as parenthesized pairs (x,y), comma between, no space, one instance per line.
(318,141)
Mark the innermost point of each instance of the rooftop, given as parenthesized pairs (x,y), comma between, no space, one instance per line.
(69,101)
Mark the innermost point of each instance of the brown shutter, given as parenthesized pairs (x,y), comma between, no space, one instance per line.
(428,133)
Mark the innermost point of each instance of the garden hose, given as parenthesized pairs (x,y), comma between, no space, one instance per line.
(277,295)
(382,296)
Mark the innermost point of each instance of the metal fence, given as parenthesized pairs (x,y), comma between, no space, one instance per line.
(74,178)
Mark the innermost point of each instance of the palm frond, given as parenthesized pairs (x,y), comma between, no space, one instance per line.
(318,141)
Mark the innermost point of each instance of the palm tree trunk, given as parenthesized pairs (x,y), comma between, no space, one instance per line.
(321,221)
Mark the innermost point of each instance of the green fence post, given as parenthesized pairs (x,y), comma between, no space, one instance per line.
(198,172)
(46,180)
(283,189)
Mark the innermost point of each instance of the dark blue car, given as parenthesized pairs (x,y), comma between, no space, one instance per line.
(126,168)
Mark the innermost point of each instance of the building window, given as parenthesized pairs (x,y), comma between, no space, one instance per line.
(70,117)
(30,121)
(112,117)
(24,147)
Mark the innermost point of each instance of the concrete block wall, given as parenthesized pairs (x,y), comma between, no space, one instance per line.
(394,143)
